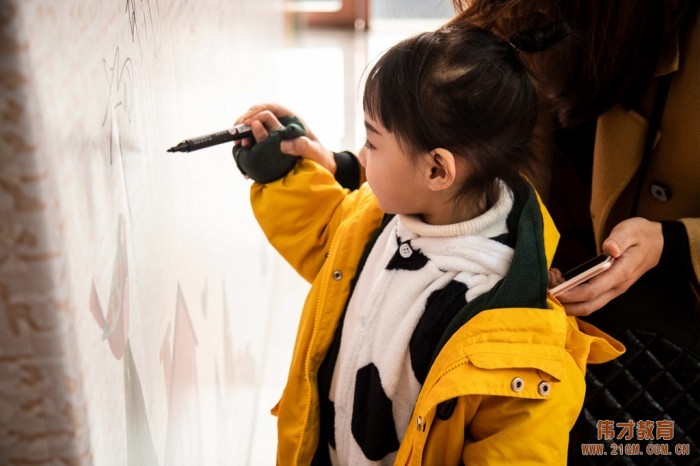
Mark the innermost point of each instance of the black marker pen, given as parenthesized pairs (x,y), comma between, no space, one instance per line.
(233,134)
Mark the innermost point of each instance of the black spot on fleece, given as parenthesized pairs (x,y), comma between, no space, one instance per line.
(372,417)
(440,308)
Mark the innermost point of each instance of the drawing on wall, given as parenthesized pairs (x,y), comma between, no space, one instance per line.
(139,441)
(115,329)
(239,365)
(120,76)
(115,325)
(141,19)
(183,442)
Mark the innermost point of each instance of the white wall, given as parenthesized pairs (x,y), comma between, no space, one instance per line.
(134,284)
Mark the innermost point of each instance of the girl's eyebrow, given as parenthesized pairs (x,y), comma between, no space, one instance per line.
(371,128)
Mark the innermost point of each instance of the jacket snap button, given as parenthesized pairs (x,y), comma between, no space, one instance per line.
(420,424)
(337,275)
(405,250)
(660,192)
(517,384)
(543,388)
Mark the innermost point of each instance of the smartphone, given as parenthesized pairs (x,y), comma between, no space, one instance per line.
(582,273)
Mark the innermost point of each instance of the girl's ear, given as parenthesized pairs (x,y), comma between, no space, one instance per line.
(441,169)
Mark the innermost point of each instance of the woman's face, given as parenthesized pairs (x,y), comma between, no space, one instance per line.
(393,176)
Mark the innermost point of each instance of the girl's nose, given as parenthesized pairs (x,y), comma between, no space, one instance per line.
(362,155)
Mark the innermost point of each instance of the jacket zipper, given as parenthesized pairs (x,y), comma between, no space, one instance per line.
(443,374)
(321,298)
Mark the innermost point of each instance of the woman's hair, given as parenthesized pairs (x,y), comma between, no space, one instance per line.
(462,89)
(609,58)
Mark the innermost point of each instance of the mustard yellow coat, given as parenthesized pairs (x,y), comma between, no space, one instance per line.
(675,161)
(321,229)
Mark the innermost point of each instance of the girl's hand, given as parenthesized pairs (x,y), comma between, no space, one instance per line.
(636,245)
(262,119)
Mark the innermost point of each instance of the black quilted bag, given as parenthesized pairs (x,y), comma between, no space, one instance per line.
(657,379)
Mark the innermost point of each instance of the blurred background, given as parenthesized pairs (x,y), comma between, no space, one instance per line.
(144,319)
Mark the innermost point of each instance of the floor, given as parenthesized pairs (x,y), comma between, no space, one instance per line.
(325,92)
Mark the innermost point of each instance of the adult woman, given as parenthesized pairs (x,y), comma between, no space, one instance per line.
(601,84)
(624,103)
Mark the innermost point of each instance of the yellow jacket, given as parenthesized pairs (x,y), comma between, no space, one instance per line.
(517,374)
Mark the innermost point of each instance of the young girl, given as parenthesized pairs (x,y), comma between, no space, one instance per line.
(427,336)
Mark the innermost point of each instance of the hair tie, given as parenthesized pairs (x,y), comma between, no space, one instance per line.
(540,39)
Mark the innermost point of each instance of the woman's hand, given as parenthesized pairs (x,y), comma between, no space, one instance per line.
(636,245)
(263,118)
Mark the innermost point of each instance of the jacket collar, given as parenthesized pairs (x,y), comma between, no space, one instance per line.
(525,284)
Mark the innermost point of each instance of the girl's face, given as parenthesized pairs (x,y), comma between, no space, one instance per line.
(394,178)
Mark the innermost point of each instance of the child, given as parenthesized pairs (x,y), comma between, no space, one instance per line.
(427,336)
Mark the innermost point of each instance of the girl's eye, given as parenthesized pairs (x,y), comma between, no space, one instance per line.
(369,145)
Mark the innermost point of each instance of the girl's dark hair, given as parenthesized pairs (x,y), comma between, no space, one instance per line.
(609,58)
(462,89)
